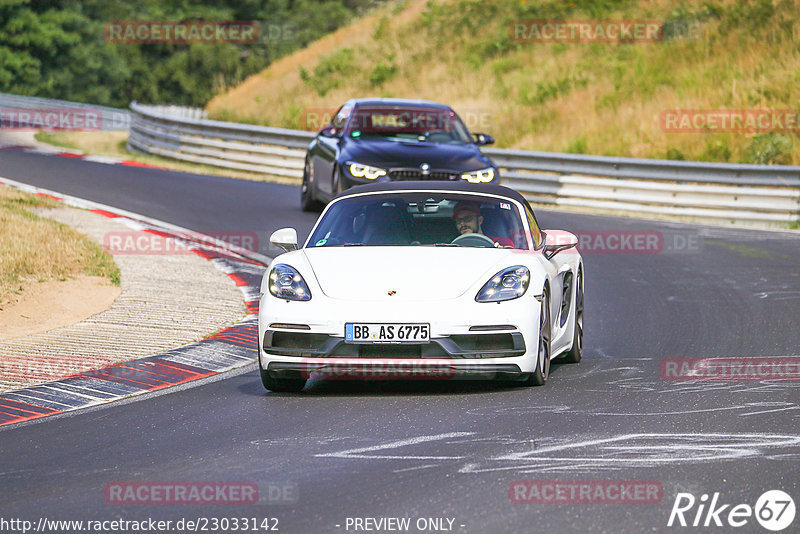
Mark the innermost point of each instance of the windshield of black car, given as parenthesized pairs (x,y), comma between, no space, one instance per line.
(421,219)
(415,125)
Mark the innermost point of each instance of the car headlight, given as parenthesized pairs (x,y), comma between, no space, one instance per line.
(286,283)
(366,171)
(483,176)
(510,283)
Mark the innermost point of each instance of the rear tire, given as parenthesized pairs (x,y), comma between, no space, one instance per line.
(539,377)
(281,385)
(575,354)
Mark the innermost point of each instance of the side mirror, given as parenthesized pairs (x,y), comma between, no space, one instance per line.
(329,131)
(285,239)
(557,240)
(483,139)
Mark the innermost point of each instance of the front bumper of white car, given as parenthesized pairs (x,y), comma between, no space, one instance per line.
(468,339)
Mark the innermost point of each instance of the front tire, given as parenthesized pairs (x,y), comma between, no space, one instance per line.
(281,385)
(337,180)
(539,377)
(307,200)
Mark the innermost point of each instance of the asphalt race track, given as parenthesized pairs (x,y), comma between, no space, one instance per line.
(452,450)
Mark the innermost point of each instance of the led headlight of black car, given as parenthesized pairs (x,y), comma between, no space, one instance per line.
(483,176)
(359,170)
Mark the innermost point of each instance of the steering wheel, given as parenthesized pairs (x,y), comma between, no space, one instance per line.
(473,240)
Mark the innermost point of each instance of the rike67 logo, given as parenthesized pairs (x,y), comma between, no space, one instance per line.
(774,510)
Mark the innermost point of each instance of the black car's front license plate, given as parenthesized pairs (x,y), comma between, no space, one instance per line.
(387,332)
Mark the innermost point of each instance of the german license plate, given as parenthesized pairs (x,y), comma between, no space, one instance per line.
(387,332)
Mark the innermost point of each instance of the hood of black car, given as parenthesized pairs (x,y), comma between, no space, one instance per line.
(391,154)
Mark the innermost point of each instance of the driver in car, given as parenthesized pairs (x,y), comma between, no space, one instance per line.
(468,219)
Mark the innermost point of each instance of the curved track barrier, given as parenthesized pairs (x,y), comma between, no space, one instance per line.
(11,106)
(761,195)
(244,147)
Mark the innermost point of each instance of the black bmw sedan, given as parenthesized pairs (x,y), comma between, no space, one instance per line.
(387,139)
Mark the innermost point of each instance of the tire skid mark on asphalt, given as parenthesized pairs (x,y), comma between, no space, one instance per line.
(641,379)
(772,407)
(589,454)
(363,452)
(231,347)
(638,451)
(762,412)
(415,468)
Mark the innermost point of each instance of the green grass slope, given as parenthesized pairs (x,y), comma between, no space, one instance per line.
(594,98)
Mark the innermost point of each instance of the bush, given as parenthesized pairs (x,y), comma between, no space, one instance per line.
(382,73)
(578,146)
(328,72)
(769,149)
(716,151)
(544,91)
(674,153)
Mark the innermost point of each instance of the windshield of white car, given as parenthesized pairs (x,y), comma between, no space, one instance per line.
(408,125)
(421,219)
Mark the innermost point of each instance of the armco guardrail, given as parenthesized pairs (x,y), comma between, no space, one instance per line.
(112,118)
(758,194)
(222,144)
(755,194)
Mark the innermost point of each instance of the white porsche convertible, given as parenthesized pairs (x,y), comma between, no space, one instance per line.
(421,280)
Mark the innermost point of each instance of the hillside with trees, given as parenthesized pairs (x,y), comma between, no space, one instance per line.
(57,48)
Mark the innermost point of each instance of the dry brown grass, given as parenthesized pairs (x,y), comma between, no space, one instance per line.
(614,112)
(264,97)
(96,143)
(35,249)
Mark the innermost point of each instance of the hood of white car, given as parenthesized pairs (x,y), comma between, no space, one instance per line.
(412,273)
